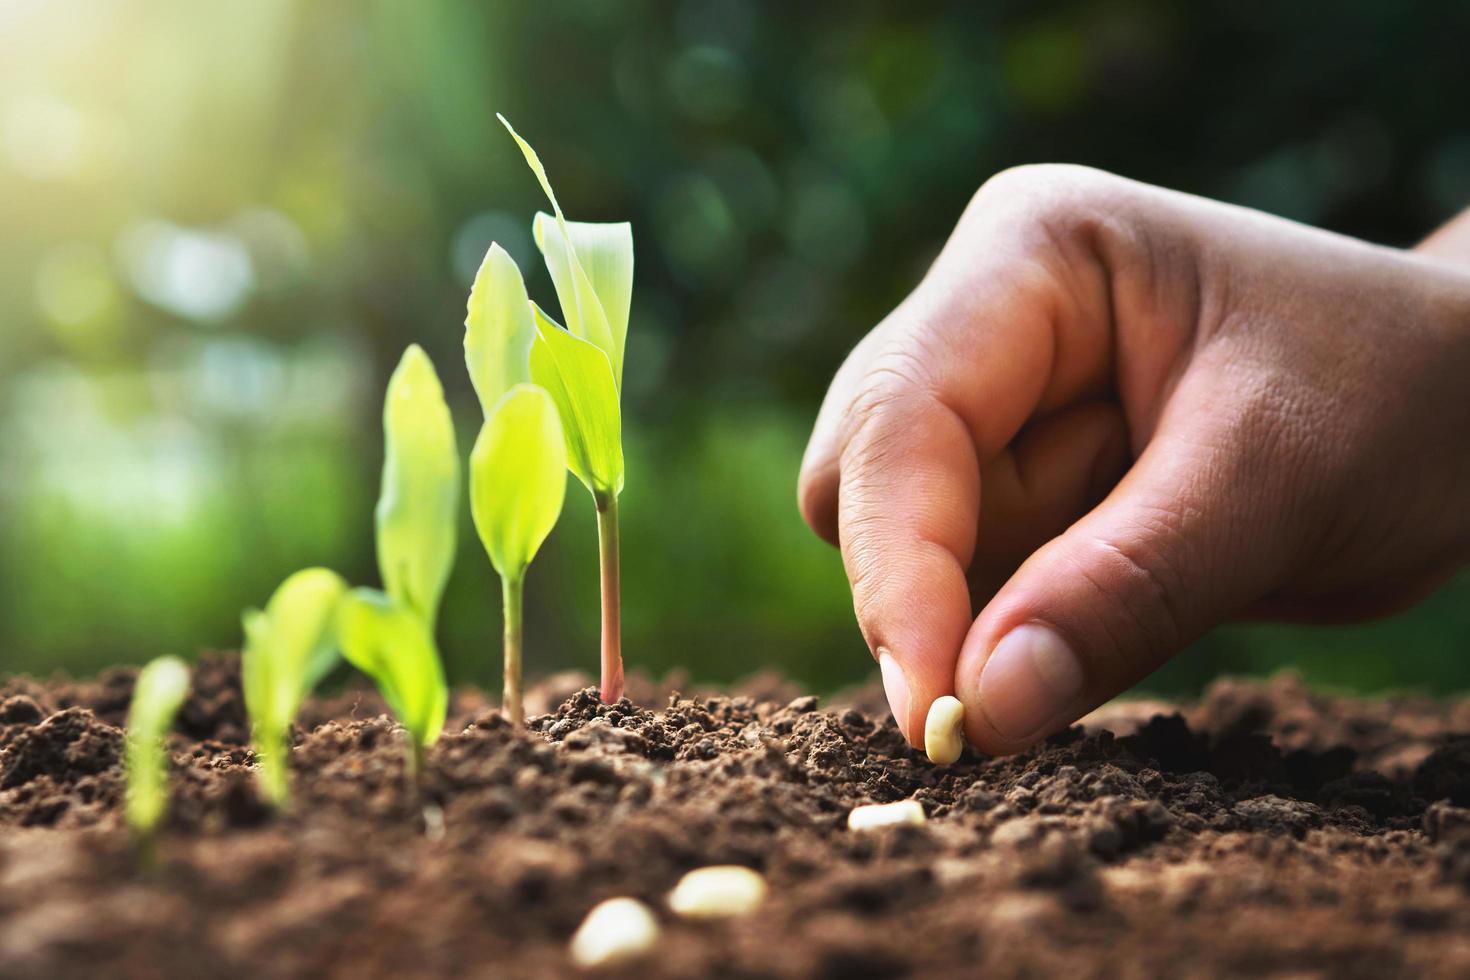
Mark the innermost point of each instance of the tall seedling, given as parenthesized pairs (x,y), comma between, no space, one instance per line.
(581,366)
(390,635)
(519,463)
(289,648)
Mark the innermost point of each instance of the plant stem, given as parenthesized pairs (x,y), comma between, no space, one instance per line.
(612,638)
(512,590)
(274,781)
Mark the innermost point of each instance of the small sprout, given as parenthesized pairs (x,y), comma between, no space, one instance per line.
(581,365)
(418,508)
(717,892)
(519,463)
(615,931)
(875,815)
(289,648)
(389,641)
(944,738)
(157,695)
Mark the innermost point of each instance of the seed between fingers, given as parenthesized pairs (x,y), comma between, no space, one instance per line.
(943,730)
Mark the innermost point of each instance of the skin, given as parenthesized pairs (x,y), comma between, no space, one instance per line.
(1112,417)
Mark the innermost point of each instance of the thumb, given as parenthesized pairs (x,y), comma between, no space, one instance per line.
(1189,538)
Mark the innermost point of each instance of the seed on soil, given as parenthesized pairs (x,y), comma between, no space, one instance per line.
(615,931)
(875,815)
(944,738)
(717,892)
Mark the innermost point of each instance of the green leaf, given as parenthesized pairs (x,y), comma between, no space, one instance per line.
(585,315)
(605,252)
(518,477)
(579,378)
(288,649)
(417,515)
(387,640)
(499,329)
(158,693)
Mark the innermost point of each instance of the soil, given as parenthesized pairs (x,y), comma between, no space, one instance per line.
(1263,831)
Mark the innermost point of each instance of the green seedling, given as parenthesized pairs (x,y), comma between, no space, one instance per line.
(418,507)
(388,640)
(519,463)
(581,366)
(158,693)
(289,648)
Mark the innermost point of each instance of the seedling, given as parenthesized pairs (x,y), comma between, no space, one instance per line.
(158,693)
(418,505)
(518,467)
(289,648)
(581,365)
(388,640)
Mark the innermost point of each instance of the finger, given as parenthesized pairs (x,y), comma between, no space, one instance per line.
(1184,541)
(1054,472)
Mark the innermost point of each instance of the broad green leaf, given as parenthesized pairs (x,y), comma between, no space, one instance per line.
(288,649)
(386,639)
(498,329)
(158,694)
(518,477)
(584,312)
(579,378)
(605,252)
(418,506)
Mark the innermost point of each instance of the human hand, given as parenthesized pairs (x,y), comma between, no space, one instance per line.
(1115,416)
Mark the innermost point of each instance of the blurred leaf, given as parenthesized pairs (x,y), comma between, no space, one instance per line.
(585,315)
(289,648)
(385,639)
(605,252)
(580,380)
(158,693)
(418,507)
(518,478)
(499,329)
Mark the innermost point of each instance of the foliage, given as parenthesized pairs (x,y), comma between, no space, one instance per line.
(289,648)
(389,641)
(417,515)
(158,693)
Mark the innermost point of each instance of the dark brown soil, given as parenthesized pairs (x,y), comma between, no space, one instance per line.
(1263,831)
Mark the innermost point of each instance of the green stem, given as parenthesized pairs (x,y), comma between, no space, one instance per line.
(273,754)
(512,597)
(612,639)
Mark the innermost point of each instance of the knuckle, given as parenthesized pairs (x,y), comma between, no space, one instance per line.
(1140,580)
(1053,193)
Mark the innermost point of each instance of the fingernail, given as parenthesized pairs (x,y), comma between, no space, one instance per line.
(1032,676)
(896,686)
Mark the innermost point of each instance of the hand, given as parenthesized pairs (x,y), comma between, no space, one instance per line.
(1113,416)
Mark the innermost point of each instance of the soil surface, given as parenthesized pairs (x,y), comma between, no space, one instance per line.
(1264,831)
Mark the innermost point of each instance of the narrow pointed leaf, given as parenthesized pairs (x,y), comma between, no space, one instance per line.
(584,313)
(158,693)
(387,640)
(499,329)
(518,478)
(418,507)
(579,378)
(605,252)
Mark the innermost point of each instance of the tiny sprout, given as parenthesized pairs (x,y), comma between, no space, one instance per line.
(581,365)
(615,931)
(418,506)
(943,735)
(158,693)
(718,892)
(289,648)
(876,815)
(389,641)
(519,463)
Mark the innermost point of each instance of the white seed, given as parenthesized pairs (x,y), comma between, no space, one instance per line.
(615,931)
(718,892)
(876,815)
(944,738)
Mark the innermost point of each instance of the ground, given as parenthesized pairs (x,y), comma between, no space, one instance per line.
(1265,830)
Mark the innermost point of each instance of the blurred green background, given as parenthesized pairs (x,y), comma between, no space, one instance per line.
(220,223)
